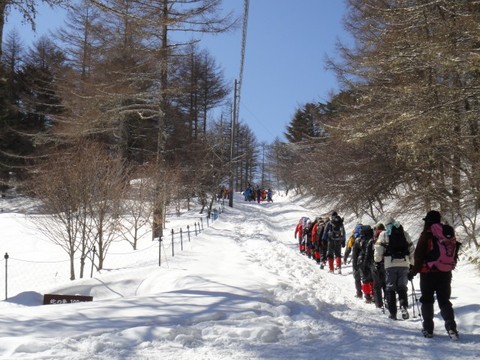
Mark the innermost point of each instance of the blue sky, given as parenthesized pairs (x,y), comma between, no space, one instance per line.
(287,42)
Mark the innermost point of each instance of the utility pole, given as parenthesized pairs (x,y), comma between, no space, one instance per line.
(263,164)
(232,144)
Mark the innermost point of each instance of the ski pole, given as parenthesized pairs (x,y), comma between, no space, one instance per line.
(413,304)
(416,300)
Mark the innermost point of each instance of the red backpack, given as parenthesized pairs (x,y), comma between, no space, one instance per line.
(443,255)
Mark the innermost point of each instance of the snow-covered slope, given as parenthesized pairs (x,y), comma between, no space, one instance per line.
(239,290)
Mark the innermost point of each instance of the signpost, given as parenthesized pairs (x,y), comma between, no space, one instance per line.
(64,299)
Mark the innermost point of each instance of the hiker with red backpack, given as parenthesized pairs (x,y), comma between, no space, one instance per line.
(307,236)
(334,235)
(435,258)
(317,233)
(323,244)
(395,248)
(298,234)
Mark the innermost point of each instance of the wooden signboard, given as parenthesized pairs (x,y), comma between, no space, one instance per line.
(64,299)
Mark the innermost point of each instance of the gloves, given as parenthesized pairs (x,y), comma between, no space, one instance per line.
(411,275)
(343,244)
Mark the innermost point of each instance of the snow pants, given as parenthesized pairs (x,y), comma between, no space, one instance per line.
(379,286)
(334,251)
(396,279)
(301,244)
(439,283)
(317,249)
(308,245)
(323,251)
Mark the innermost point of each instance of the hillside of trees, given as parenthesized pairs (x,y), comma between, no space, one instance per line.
(125,82)
(405,126)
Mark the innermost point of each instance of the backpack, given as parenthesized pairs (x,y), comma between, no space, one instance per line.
(365,234)
(397,246)
(303,220)
(443,256)
(307,229)
(356,231)
(320,229)
(336,228)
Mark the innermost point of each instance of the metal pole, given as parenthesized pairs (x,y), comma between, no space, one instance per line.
(232,142)
(6,275)
(416,300)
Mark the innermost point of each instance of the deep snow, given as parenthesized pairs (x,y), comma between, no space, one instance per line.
(238,290)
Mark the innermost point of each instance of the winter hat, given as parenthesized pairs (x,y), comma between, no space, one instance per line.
(334,213)
(379,226)
(389,220)
(432,217)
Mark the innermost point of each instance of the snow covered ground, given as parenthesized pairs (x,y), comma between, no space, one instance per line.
(238,290)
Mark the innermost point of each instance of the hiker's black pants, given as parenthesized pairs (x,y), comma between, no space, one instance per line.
(439,284)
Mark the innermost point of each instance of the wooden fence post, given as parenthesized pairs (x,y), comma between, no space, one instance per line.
(181,239)
(93,262)
(160,250)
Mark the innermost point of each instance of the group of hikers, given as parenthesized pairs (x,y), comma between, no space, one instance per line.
(256,193)
(384,259)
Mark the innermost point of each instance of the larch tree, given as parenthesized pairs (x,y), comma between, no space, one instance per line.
(412,70)
(159,20)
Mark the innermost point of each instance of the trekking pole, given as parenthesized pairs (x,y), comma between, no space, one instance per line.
(413,304)
(416,300)
(384,302)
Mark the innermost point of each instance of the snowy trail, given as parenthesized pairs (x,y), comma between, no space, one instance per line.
(321,306)
(241,290)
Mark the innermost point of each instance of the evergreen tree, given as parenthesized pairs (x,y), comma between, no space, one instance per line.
(303,125)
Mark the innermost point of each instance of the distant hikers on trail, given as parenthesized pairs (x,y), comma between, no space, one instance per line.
(257,194)
(384,259)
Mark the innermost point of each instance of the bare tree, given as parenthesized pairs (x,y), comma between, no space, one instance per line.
(81,190)
(137,206)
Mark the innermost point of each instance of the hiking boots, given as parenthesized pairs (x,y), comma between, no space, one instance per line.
(339,270)
(368,299)
(453,334)
(427,334)
(392,316)
(404,312)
